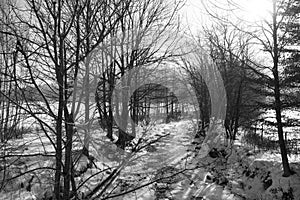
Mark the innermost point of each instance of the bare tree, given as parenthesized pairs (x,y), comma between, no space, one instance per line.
(10,114)
(231,49)
(145,39)
(268,36)
(51,53)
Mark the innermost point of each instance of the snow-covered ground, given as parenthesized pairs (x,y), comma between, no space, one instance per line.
(241,174)
(292,114)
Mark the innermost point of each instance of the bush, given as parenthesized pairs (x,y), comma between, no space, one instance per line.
(175,116)
(16,132)
(260,142)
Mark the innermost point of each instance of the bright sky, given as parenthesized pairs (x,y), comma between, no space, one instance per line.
(258,9)
(193,13)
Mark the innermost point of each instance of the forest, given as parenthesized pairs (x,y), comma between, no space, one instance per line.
(150,99)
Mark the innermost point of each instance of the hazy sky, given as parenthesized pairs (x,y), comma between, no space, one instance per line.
(194,15)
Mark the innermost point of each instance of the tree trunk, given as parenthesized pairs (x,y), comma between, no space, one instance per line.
(87,104)
(59,77)
(283,151)
(68,153)
(58,157)
(110,123)
(124,137)
(87,81)
(111,82)
(237,111)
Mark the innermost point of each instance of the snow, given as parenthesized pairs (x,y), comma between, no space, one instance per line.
(244,174)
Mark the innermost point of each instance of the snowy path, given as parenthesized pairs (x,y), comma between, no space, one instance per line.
(173,151)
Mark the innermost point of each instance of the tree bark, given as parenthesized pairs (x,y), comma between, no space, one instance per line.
(59,78)
(283,151)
